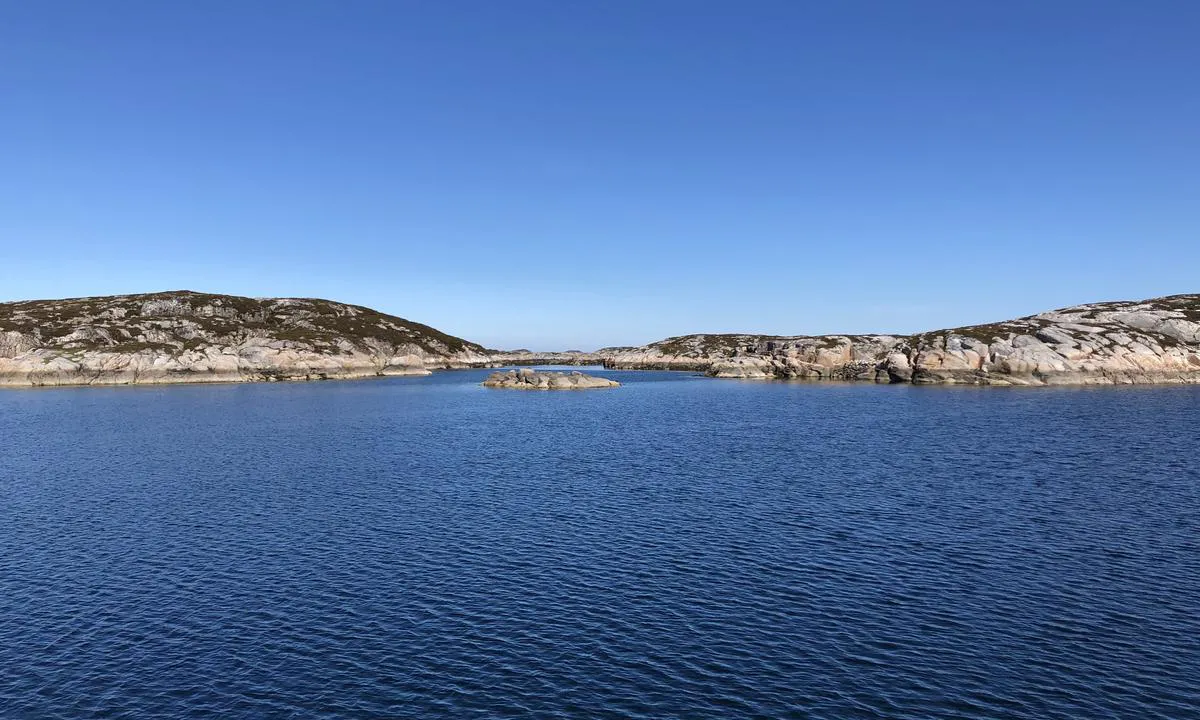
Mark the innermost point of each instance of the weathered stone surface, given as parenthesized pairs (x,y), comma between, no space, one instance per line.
(528,379)
(194,337)
(1150,341)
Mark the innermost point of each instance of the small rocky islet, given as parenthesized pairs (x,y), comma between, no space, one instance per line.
(188,337)
(529,379)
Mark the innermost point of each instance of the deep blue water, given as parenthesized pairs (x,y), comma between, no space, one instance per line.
(675,548)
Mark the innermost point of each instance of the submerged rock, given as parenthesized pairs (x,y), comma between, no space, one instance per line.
(527,379)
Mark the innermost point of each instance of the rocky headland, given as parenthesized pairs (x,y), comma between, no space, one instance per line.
(529,379)
(186,336)
(1148,341)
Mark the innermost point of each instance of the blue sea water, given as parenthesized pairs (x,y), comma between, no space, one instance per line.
(678,547)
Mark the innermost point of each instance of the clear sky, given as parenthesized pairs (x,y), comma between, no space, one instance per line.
(567,174)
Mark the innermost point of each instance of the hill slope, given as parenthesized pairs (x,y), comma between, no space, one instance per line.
(186,336)
(1148,341)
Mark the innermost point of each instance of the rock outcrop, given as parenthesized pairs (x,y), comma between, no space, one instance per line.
(194,337)
(528,379)
(1149,341)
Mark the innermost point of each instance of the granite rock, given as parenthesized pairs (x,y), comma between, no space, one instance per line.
(529,379)
(195,337)
(1147,341)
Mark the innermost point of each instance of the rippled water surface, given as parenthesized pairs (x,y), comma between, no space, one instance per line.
(675,548)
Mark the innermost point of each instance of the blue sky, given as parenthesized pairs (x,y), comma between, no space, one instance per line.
(554,174)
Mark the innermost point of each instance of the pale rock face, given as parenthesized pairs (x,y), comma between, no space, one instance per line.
(13,344)
(895,368)
(748,367)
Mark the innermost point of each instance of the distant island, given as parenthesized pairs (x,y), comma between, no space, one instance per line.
(184,336)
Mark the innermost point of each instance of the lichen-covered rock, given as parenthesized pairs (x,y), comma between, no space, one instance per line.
(528,379)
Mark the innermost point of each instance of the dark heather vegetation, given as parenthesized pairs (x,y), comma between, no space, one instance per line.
(186,320)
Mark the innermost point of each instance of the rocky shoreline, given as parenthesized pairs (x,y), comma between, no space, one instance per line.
(503,358)
(1146,342)
(188,337)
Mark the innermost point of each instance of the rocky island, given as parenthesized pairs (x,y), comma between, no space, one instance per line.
(185,336)
(528,379)
(1126,342)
